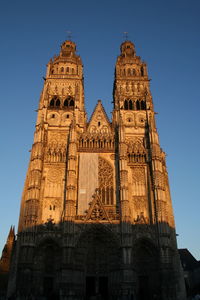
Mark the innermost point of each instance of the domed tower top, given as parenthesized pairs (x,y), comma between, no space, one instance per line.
(68,52)
(127,49)
(67,63)
(128,54)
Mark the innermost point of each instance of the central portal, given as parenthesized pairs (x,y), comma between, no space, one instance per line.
(98,255)
(97,286)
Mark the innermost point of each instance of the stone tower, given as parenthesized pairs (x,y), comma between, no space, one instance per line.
(96,215)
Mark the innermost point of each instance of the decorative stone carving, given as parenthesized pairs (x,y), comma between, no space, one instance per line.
(54,174)
(141,219)
(138,181)
(135,145)
(141,120)
(93,129)
(55,152)
(105,179)
(96,141)
(140,203)
(53,118)
(130,119)
(138,174)
(54,202)
(58,137)
(159,180)
(97,211)
(61,88)
(124,176)
(49,224)
(105,173)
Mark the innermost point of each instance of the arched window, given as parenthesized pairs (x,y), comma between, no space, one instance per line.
(126,104)
(137,105)
(67,70)
(133,72)
(142,71)
(105,179)
(66,102)
(129,72)
(130,106)
(72,70)
(71,103)
(143,105)
(52,102)
(62,70)
(57,102)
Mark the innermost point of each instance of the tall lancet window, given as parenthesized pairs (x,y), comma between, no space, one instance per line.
(105,178)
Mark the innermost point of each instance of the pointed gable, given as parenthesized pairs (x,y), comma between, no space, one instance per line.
(99,122)
(96,211)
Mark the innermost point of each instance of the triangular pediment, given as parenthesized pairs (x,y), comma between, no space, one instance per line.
(99,122)
(96,211)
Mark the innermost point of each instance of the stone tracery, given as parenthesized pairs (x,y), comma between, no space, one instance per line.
(105,174)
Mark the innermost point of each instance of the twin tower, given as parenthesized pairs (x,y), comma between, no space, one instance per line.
(96,218)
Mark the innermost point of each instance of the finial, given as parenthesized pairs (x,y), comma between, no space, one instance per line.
(125,36)
(69,35)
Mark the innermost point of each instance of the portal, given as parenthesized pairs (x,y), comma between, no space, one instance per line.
(96,286)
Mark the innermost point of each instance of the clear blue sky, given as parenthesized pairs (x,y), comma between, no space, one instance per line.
(166,36)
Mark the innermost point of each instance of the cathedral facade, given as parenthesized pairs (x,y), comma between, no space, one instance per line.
(96,216)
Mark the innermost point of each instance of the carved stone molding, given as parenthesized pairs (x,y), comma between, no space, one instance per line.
(140,203)
(138,174)
(105,173)
(96,211)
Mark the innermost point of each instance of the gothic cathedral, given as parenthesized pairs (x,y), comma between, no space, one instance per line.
(96,219)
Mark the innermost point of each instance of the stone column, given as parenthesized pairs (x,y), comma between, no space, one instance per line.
(68,284)
(128,276)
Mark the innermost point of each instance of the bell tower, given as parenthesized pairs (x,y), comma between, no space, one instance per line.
(144,194)
(61,110)
(141,159)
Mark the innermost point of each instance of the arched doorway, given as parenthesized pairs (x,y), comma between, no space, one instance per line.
(146,264)
(47,260)
(97,255)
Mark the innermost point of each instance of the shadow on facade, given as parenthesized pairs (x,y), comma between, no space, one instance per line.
(92,260)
